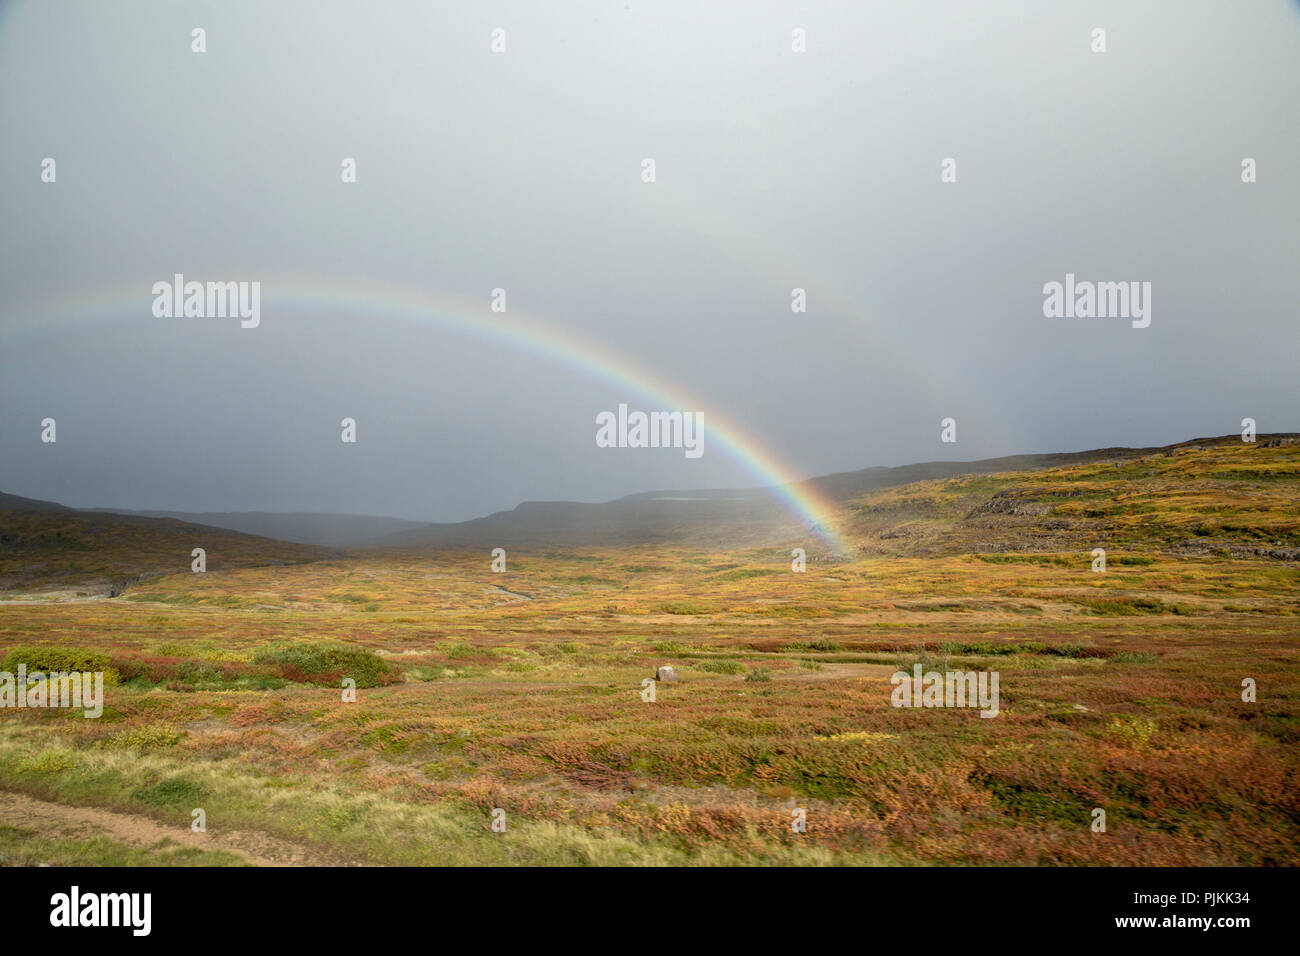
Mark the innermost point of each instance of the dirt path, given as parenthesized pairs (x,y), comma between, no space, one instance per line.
(56,819)
(57,597)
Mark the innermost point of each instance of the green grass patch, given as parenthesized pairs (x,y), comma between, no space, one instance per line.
(327,664)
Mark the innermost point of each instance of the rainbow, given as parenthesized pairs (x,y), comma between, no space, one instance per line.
(513,329)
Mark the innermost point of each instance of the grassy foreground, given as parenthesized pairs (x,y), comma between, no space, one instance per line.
(522,691)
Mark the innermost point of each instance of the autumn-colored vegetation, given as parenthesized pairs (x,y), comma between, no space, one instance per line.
(522,691)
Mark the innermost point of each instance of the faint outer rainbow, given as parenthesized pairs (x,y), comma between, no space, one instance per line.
(516,330)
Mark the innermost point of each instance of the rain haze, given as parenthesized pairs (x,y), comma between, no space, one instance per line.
(524,170)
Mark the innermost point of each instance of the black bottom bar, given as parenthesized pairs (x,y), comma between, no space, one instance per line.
(937,906)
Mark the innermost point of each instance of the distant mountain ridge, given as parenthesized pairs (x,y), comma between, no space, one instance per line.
(17,503)
(722,517)
(102,553)
(725,517)
(301,527)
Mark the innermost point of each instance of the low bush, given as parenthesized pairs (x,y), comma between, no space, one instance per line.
(49,658)
(327,664)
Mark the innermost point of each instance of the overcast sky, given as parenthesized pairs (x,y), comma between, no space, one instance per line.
(523,170)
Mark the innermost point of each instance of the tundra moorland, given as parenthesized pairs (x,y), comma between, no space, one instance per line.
(522,691)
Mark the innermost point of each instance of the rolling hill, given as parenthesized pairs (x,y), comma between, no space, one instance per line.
(47,545)
(300,527)
(752,517)
(1215,495)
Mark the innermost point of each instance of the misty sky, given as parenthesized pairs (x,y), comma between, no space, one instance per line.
(522,170)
